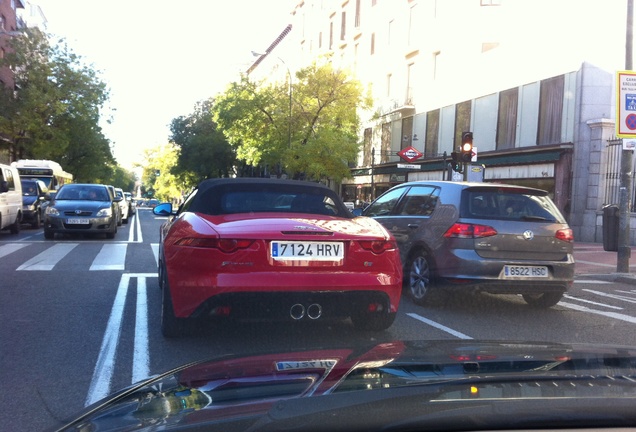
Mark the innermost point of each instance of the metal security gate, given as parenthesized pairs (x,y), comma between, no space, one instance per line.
(613,173)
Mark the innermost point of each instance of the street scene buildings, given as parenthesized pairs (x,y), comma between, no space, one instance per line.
(533,80)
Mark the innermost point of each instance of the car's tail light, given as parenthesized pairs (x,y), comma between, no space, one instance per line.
(224,245)
(377,246)
(565,235)
(465,230)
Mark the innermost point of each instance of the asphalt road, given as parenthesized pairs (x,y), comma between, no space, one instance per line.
(80,319)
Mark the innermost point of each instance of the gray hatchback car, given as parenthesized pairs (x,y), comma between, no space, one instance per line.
(494,238)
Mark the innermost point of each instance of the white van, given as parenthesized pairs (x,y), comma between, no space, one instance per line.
(10,199)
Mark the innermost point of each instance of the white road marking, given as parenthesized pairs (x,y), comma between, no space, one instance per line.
(155,251)
(111,257)
(614,315)
(591,282)
(141,360)
(103,373)
(10,248)
(591,302)
(613,296)
(439,326)
(47,259)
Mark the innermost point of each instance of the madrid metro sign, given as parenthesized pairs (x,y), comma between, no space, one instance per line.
(410,154)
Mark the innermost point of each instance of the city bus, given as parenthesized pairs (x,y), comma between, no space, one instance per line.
(50,172)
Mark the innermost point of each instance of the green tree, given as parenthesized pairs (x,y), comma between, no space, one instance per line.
(203,150)
(320,137)
(54,110)
(157,176)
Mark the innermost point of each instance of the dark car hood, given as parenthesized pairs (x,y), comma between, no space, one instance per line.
(29,199)
(270,391)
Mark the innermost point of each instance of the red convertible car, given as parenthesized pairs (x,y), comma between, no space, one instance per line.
(268,249)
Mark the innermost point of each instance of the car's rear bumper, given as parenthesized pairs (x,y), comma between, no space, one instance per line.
(275,293)
(293,306)
(95,225)
(464,268)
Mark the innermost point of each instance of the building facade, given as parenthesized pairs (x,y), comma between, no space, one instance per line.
(534,80)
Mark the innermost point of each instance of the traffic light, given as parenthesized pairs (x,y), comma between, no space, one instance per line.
(467,147)
(456,163)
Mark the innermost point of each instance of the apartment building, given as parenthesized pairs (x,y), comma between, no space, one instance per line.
(534,80)
(9,24)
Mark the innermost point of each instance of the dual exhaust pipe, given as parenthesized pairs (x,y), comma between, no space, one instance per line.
(298,311)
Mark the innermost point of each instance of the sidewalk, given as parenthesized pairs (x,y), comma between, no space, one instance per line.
(593,262)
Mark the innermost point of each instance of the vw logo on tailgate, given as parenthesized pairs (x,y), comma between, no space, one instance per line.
(528,235)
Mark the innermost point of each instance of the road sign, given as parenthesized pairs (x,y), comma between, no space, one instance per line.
(626,104)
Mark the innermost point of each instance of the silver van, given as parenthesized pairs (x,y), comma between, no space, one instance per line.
(10,199)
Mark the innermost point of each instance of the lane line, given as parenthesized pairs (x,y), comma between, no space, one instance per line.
(110,257)
(140,238)
(105,366)
(141,355)
(155,251)
(46,260)
(612,296)
(591,302)
(439,326)
(615,315)
(590,281)
(131,230)
(10,248)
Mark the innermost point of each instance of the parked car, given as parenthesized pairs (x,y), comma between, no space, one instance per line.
(113,194)
(80,208)
(10,199)
(488,237)
(132,204)
(124,205)
(274,249)
(152,203)
(34,195)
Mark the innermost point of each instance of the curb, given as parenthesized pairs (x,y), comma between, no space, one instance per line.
(626,278)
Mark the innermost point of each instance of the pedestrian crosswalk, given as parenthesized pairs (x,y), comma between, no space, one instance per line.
(38,256)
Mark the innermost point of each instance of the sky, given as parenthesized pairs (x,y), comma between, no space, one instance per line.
(160,58)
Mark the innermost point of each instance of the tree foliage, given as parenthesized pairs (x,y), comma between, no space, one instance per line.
(203,150)
(313,136)
(54,110)
(157,177)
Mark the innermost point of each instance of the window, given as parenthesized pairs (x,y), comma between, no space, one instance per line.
(343,25)
(462,120)
(368,134)
(331,35)
(413,23)
(372,43)
(319,40)
(407,132)
(386,142)
(419,201)
(432,132)
(550,110)
(507,119)
(385,204)
(388,84)
(357,18)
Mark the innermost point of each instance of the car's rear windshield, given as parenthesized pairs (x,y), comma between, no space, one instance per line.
(80,192)
(268,199)
(509,204)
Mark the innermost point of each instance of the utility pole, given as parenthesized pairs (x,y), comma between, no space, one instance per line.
(624,249)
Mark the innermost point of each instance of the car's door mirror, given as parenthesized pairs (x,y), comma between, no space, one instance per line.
(163,209)
(357,212)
